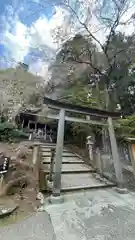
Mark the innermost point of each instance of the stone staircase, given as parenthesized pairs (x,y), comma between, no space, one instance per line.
(76,174)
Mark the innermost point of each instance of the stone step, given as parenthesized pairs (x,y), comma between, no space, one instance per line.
(48,149)
(71,168)
(64,160)
(83,181)
(65,154)
(47,145)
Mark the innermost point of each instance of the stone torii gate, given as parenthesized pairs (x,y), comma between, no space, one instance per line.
(106,117)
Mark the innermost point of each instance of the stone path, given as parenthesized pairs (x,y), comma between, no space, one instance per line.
(36,227)
(88,215)
(94,215)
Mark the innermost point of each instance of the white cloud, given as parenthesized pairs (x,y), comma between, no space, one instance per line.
(19,38)
(43,30)
(17,42)
(129,27)
(39,68)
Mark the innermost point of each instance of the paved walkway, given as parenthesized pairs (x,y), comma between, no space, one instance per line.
(36,227)
(94,215)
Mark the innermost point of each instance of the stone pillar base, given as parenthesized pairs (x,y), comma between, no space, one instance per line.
(121,190)
(56,200)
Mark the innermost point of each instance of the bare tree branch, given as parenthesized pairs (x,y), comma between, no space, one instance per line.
(104,49)
(83,24)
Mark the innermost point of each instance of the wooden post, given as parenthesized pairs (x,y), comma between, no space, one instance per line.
(1,181)
(45,132)
(131,158)
(115,155)
(51,164)
(36,163)
(29,125)
(58,157)
(22,123)
(99,163)
(35,154)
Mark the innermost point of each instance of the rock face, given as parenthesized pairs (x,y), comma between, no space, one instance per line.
(64,70)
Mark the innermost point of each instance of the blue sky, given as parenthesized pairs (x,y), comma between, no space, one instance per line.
(26,9)
(18,19)
(28,31)
(27,28)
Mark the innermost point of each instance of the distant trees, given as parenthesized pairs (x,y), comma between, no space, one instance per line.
(19,88)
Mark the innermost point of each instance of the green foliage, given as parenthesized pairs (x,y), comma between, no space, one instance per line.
(112,75)
(8,132)
(126,127)
(79,95)
(121,82)
(119,74)
(82,96)
(72,48)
